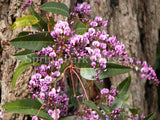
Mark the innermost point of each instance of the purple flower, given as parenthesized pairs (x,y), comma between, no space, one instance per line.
(143,76)
(104,91)
(98,19)
(93,64)
(93,24)
(93,58)
(56,74)
(104,23)
(102,61)
(91,31)
(96,43)
(34,118)
(110,98)
(54,114)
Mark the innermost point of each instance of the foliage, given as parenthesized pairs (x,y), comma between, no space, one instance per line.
(56,48)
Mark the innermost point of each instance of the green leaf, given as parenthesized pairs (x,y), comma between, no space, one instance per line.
(56,8)
(24,33)
(117,103)
(24,21)
(22,104)
(93,106)
(125,105)
(124,86)
(121,116)
(112,70)
(26,55)
(106,109)
(42,24)
(80,27)
(33,42)
(22,66)
(135,111)
(72,100)
(34,112)
(150,117)
(124,97)
(100,85)
(70,118)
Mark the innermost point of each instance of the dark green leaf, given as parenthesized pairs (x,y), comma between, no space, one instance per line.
(22,66)
(150,117)
(33,42)
(24,21)
(69,118)
(42,24)
(34,112)
(22,104)
(103,117)
(112,70)
(135,111)
(24,33)
(100,85)
(56,8)
(106,109)
(124,97)
(117,103)
(125,105)
(93,106)
(121,116)
(26,55)
(72,100)
(124,86)
(80,27)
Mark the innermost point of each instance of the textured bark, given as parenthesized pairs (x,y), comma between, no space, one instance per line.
(134,22)
(10,10)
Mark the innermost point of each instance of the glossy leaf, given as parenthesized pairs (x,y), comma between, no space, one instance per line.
(26,55)
(112,70)
(22,104)
(124,86)
(33,42)
(56,8)
(150,117)
(80,27)
(93,106)
(42,24)
(24,21)
(33,112)
(22,66)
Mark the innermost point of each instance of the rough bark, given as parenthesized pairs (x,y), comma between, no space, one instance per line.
(135,23)
(10,10)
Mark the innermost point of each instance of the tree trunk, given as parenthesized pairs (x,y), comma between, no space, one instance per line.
(135,23)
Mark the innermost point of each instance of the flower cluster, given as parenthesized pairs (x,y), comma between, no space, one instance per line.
(83,8)
(28,3)
(94,44)
(109,95)
(98,22)
(44,84)
(136,117)
(34,32)
(115,114)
